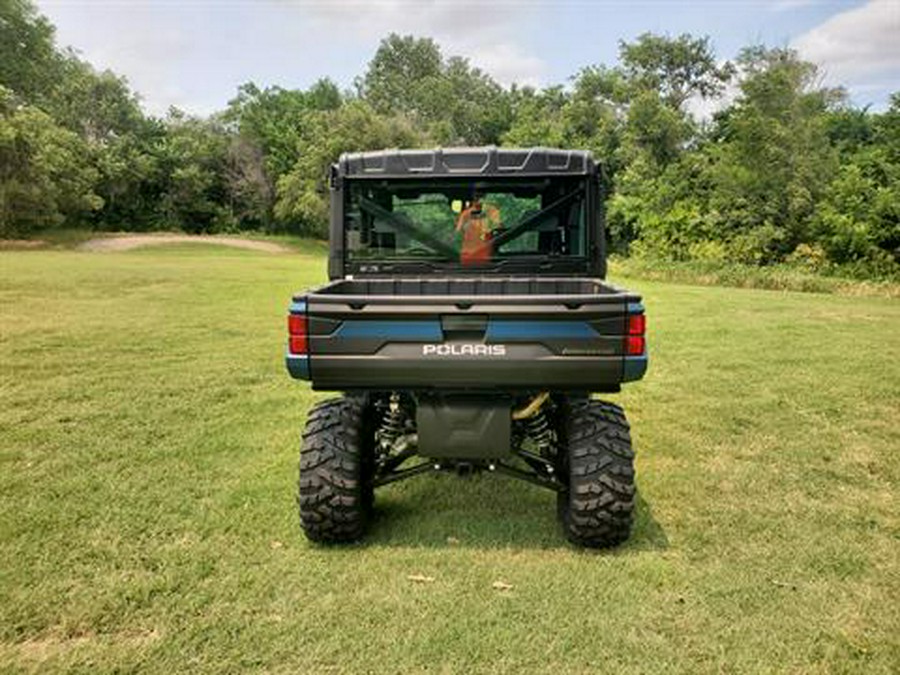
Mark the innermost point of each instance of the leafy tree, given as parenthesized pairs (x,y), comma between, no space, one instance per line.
(473,106)
(401,74)
(537,117)
(324,95)
(249,185)
(653,173)
(587,117)
(678,68)
(302,204)
(269,133)
(858,219)
(453,101)
(194,196)
(750,192)
(100,107)
(130,179)
(30,65)
(776,161)
(887,130)
(46,178)
(654,130)
(122,142)
(596,108)
(849,128)
(271,118)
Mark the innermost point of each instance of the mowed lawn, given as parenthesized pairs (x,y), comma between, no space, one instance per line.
(147,520)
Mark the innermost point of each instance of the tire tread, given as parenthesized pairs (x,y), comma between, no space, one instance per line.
(597,510)
(332,488)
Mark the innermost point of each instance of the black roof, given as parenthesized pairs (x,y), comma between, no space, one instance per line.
(487,161)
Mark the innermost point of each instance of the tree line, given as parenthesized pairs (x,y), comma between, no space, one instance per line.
(786,170)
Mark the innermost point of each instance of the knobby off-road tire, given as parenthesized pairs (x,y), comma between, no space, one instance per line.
(335,493)
(597,509)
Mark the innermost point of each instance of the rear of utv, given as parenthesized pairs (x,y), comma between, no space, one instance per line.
(467,324)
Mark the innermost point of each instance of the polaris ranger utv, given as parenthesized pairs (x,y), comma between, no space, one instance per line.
(467,323)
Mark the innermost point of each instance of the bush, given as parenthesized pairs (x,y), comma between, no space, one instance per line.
(46,177)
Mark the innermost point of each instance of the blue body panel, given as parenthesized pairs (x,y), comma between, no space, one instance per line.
(508,330)
(417,331)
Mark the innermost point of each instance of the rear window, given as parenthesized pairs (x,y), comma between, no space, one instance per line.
(463,221)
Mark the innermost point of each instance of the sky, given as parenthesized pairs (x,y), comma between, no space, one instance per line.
(193,54)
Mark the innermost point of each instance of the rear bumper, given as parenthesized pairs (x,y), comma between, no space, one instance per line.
(519,369)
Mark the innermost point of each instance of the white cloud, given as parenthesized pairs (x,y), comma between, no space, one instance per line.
(859,48)
(507,63)
(790,5)
(193,54)
(135,40)
(487,33)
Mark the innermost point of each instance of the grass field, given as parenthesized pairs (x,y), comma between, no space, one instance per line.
(147,523)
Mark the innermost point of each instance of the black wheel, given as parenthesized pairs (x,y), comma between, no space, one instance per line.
(597,509)
(335,493)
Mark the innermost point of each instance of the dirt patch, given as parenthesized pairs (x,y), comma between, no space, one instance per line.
(21,244)
(126,243)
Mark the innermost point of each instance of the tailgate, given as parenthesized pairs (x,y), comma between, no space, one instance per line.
(507,342)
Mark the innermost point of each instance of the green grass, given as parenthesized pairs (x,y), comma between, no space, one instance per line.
(147,523)
(782,277)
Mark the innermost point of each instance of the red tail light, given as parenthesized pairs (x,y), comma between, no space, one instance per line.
(635,343)
(637,324)
(298,335)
